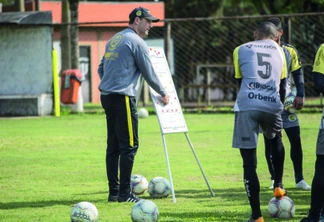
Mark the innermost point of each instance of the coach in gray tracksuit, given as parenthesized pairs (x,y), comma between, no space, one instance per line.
(126,57)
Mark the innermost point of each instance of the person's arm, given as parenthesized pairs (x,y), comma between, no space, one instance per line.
(283,78)
(299,82)
(237,74)
(298,76)
(143,61)
(100,68)
(318,69)
(146,68)
(282,89)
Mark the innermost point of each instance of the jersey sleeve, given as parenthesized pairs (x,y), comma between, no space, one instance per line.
(238,74)
(295,60)
(318,65)
(318,69)
(296,70)
(143,61)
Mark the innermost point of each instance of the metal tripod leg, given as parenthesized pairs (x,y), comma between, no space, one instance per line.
(202,171)
(168,166)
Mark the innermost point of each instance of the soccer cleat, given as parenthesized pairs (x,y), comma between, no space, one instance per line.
(129,198)
(260,219)
(279,192)
(271,186)
(303,185)
(112,198)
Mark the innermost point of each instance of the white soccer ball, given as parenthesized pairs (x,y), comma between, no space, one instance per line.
(281,208)
(288,103)
(139,184)
(142,113)
(145,211)
(159,187)
(84,212)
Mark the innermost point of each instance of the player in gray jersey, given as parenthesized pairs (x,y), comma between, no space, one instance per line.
(126,57)
(290,120)
(260,68)
(316,211)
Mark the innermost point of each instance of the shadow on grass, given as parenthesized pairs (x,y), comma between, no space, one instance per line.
(37,204)
(238,195)
(205,216)
(233,197)
(227,198)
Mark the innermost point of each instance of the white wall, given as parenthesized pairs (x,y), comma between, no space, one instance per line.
(26,60)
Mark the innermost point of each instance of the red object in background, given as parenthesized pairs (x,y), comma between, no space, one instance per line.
(70,83)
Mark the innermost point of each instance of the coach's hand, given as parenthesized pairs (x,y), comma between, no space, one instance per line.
(298,103)
(166,99)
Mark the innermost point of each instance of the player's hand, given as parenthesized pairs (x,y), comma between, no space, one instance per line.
(298,103)
(166,99)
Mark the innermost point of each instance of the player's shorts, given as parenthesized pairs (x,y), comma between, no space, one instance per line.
(247,124)
(320,138)
(289,119)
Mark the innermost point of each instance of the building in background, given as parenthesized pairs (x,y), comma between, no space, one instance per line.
(98,23)
(26,87)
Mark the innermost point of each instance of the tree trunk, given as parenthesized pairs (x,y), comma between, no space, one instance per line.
(74,34)
(65,37)
(20,5)
(74,4)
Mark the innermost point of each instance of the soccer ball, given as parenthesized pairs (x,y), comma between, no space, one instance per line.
(159,187)
(139,184)
(84,211)
(142,113)
(281,208)
(145,210)
(288,103)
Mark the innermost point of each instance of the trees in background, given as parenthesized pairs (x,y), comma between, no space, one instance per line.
(209,8)
(70,42)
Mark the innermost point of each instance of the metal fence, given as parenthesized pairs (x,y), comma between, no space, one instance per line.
(199,51)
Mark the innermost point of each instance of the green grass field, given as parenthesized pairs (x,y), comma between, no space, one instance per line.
(49,164)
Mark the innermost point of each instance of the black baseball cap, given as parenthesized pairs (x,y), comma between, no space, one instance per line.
(142,13)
